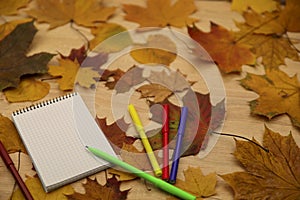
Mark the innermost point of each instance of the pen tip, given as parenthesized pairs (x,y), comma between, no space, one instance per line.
(87,146)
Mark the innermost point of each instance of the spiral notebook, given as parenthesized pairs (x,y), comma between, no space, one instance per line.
(55,133)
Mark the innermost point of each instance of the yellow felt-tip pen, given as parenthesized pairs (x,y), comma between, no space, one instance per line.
(139,127)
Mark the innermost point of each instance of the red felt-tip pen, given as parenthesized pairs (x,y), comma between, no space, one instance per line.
(10,165)
(165,141)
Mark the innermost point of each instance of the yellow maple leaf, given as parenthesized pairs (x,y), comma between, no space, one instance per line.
(11,7)
(58,13)
(9,136)
(273,50)
(8,27)
(69,73)
(67,70)
(275,88)
(266,23)
(161,13)
(35,187)
(259,6)
(196,183)
(29,89)
(159,49)
(104,32)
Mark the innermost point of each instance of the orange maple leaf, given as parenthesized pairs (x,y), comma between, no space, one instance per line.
(161,13)
(223,47)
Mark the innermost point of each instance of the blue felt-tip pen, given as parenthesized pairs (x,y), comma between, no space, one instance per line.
(180,134)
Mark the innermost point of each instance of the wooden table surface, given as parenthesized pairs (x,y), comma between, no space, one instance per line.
(238,119)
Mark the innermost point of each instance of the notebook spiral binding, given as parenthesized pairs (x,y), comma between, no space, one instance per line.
(43,103)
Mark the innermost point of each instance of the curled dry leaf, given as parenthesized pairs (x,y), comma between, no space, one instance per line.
(29,89)
(269,175)
(161,13)
(13,60)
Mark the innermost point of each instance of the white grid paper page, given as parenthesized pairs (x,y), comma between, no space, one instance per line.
(55,136)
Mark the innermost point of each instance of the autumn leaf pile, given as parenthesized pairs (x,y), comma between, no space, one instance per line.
(263,41)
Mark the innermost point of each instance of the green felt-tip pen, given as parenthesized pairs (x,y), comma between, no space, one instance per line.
(156,181)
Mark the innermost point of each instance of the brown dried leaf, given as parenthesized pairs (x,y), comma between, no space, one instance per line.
(95,191)
(230,54)
(159,92)
(269,175)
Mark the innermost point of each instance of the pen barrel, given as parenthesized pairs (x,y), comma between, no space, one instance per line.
(156,181)
(150,154)
(176,157)
(165,168)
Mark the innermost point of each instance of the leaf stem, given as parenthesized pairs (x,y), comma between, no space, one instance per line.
(242,137)
(81,34)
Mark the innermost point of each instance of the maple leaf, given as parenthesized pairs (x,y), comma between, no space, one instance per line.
(122,82)
(269,175)
(95,191)
(58,13)
(161,13)
(159,49)
(221,44)
(76,54)
(67,70)
(29,89)
(265,24)
(70,73)
(35,187)
(272,48)
(103,35)
(159,92)
(275,88)
(7,27)
(13,60)
(115,134)
(196,183)
(114,74)
(9,136)
(260,6)
(11,7)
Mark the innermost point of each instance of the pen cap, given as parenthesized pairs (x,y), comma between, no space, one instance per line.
(165,118)
(183,117)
